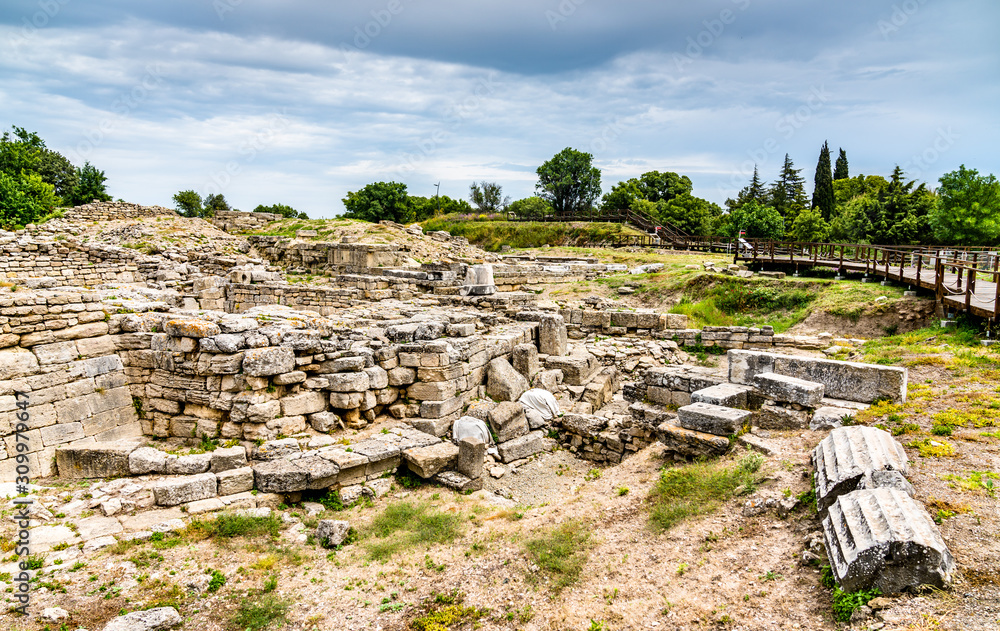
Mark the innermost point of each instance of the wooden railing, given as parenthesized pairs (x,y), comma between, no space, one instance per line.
(961,276)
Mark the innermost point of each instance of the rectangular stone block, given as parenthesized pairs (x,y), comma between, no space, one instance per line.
(712,419)
(523,446)
(101,460)
(232,481)
(789,389)
(185,489)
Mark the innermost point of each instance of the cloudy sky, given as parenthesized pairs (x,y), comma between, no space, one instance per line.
(300,101)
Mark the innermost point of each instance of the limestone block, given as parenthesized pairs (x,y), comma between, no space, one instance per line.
(321,473)
(790,389)
(348,382)
(289,378)
(325,421)
(829,417)
(147,460)
(583,424)
(577,368)
(382,455)
(346,400)
(226,458)
(728,395)
(526,360)
(187,465)
(156,619)
(503,383)
(848,455)
(60,434)
(508,421)
(16,362)
(280,476)
(883,538)
(430,460)
(275,449)
(691,443)
(433,390)
(272,360)
(471,454)
(712,419)
(351,465)
(440,409)
(378,377)
(234,481)
(552,335)
(191,328)
(332,532)
(781,418)
(401,376)
(176,491)
(459,482)
(523,446)
(303,403)
(98,460)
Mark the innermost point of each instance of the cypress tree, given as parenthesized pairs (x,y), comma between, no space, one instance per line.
(840,170)
(788,193)
(823,184)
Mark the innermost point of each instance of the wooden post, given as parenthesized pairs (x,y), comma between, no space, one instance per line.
(920,261)
(969,288)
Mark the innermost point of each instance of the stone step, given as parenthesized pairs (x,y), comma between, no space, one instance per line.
(790,389)
(712,419)
(730,395)
(691,443)
(524,446)
(883,538)
(850,456)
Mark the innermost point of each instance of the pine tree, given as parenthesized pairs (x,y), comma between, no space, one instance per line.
(753,192)
(823,184)
(840,170)
(788,193)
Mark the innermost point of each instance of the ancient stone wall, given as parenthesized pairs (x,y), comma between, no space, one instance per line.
(235,221)
(58,351)
(72,263)
(110,211)
(322,256)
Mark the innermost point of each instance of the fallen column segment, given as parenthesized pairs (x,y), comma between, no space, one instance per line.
(883,538)
(857,457)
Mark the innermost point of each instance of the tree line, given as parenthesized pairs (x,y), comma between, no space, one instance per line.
(35,180)
(965,207)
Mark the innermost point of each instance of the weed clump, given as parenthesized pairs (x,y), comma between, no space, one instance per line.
(260,611)
(230,525)
(700,488)
(407,524)
(562,552)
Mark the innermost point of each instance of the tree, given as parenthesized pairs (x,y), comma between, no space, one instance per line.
(58,171)
(841,170)
(89,186)
(24,199)
(693,215)
(757,220)
(424,208)
(823,184)
(280,209)
(531,207)
(657,186)
(569,181)
(378,201)
(968,208)
(788,193)
(622,195)
(215,202)
(810,226)
(753,192)
(488,197)
(188,203)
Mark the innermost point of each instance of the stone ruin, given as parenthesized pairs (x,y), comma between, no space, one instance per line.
(114,347)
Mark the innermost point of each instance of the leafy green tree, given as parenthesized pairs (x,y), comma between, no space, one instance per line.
(663,186)
(757,220)
(531,207)
(823,184)
(809,225)
(215,202)
(569,181)
(24,199)
(691,214)
(841,171)
(281,209)
(378,201)
(788,193)
(968,208)
(188,204)
(20,151)
(488,197)
(58,171)
(622,195)
(424,208)
(89,186)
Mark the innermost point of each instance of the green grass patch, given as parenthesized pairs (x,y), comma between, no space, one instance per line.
(562,552)
(261,611)
(845,603)
(405,525)
(230,525)
(700,488)
(986,481)
(933,448)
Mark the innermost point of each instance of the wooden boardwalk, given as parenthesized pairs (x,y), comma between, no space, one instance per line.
(963,279)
